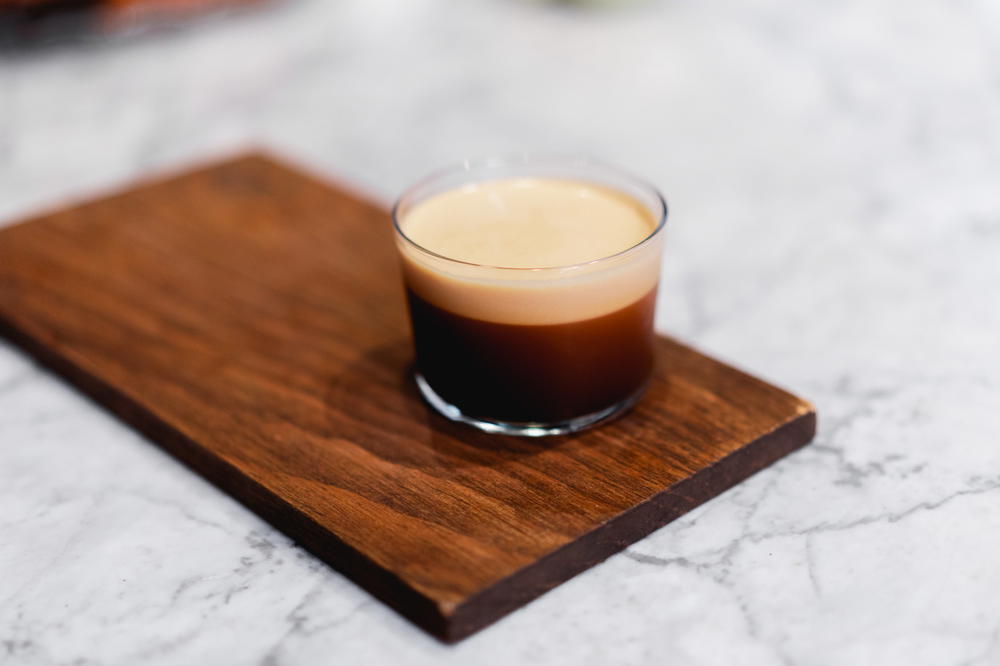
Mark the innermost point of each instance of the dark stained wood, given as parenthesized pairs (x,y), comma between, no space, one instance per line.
(250,320)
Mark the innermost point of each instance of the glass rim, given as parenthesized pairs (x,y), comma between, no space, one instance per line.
(528,159)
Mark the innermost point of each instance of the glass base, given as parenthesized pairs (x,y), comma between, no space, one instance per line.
(524,429)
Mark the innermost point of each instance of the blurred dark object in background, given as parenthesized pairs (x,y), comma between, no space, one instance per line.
(32,23)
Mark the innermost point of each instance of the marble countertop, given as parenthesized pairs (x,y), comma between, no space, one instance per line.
(834,177)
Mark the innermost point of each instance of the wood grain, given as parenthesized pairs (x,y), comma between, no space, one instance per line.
(249,319)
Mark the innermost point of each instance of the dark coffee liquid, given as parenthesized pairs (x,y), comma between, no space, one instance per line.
(534,373)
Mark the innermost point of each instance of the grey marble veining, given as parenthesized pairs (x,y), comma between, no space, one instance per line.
(833,171)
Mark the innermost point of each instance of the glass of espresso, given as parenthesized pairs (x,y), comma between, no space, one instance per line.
(531,286)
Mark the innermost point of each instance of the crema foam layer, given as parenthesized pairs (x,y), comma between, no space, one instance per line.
(526,244)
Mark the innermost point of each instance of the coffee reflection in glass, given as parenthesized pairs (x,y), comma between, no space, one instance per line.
(531,287)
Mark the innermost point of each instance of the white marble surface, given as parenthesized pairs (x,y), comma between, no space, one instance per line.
(834,175)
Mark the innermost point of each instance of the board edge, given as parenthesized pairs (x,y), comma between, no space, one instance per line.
(378,581)
(628,527)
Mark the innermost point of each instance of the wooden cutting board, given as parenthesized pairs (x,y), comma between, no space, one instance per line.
(249,319)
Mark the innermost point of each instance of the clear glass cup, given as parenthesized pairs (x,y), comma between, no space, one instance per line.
(533,351)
